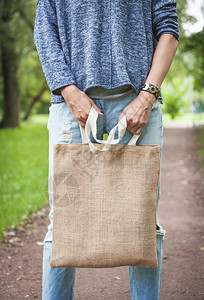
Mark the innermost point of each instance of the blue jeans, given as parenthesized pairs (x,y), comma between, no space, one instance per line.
(58,283)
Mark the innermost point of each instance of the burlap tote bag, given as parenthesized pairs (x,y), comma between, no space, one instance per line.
(105,198)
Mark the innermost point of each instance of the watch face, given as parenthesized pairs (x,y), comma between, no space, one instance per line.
(152,89)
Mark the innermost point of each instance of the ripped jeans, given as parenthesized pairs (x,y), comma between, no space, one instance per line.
(58,283)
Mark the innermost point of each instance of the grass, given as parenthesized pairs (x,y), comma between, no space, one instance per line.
(197,118)
(23,171)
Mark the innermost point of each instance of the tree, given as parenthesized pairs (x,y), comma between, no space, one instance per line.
(188,66)
(195,46)
(9,66)
(23,84)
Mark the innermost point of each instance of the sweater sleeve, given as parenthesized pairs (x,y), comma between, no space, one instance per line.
(46,38)
(165,19)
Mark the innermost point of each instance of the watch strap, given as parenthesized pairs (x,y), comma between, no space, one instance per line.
(151,89)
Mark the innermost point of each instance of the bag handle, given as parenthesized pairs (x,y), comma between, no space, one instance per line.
(91,126)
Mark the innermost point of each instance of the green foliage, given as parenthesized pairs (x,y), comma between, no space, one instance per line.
(190,117)
(30,76)
(184,18)
(172,107)
(23,171)
(175,95)
(194,45)
(187,69)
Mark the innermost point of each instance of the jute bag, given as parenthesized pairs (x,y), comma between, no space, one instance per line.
(105,198)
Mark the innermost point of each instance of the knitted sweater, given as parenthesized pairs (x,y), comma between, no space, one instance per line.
(105,43)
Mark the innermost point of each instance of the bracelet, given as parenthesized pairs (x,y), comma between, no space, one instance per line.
(151,89)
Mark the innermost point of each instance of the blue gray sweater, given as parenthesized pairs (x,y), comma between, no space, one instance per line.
(105,43)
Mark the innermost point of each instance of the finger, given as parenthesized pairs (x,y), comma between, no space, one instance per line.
(82,124)
(83,118)
(139,131)
(96,107)
(131,125)
(136,129)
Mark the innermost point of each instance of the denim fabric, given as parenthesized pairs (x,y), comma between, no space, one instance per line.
(100,43)
(58,283)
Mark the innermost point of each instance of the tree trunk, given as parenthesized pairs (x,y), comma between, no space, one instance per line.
(35,100)
(9,72)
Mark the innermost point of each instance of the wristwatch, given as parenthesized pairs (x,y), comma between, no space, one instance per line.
(151,89)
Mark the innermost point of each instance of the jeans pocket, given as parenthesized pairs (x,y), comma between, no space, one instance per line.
(56,112)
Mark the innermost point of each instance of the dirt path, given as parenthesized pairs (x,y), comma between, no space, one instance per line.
(181,215)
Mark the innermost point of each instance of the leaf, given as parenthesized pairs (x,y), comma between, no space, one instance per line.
(39,243)
(14,240)
(19,278)
(24,217)
(117,278)
(11,233)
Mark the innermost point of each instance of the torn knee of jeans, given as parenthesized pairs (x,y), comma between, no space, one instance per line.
(160,230)
(66,134)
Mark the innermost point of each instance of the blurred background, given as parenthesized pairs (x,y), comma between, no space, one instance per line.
(25,100)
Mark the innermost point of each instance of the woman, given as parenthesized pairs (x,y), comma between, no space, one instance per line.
(113,55)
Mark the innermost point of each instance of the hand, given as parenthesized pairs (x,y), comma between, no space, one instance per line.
(138,112)
(79,103)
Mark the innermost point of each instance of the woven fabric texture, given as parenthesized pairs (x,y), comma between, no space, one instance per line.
(105,206)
